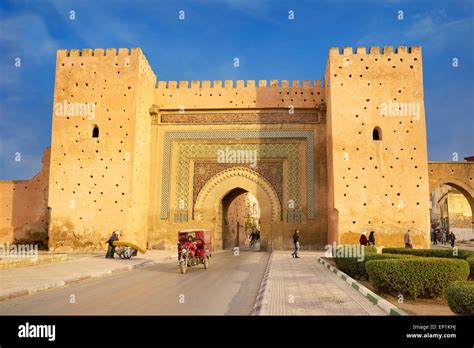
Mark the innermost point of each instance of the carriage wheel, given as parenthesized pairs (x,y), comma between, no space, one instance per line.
(206,262)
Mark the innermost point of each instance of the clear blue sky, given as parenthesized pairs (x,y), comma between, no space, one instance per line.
(203,46)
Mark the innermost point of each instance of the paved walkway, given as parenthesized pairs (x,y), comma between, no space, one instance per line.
(463,245)
(22,281)
(305,287)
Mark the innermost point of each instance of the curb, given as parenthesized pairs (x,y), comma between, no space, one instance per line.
(75,280)
(386,306)
(260,306)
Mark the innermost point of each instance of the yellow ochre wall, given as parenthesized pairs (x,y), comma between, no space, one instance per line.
(100,184)
(115,181)
(376,185)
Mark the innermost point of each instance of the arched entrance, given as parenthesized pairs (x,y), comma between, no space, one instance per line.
(460,187)
(218,193)
(452,197)
(452,209)
(240,216)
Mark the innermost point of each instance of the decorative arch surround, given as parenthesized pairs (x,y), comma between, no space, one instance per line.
(222,183)
(169,137)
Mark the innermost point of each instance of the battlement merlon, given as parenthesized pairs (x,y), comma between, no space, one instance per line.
(239,84)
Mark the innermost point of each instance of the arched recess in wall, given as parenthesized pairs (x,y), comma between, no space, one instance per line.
(95,131)
(377,134)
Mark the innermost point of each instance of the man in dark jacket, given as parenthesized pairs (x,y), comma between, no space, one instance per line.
(296,243)
(111,250)
(452,238)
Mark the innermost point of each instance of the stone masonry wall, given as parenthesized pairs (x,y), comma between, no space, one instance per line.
(379,185)
(24,214)
(97,183)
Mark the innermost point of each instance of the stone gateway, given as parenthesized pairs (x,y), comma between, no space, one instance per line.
(151,157)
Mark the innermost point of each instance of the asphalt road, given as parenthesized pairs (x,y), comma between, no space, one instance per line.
(229,286)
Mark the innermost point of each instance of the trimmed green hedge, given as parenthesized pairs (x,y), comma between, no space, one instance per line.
(460,297)
(416,277)
(470,259)
(370,249)
(367,249)
(356,269)
(462,254)
(467,255)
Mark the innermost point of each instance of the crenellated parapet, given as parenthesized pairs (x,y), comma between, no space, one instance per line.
(99,52)
(239,94)
(123,57)
(369,63)
(238,84)
(375,50)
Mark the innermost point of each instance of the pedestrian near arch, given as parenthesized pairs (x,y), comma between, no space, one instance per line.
(296,244)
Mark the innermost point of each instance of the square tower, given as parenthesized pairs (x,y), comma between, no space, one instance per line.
(377,153)
(100,152)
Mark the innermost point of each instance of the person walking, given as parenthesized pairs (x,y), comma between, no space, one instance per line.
(253,238)
(296,243)
(452,238)
(363,240)
(372,238)
(111,249)
(407,240)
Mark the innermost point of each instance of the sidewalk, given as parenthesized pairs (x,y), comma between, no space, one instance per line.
(22,281)
(304,287)
(462,244)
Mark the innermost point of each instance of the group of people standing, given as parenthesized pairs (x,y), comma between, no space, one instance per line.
(440,235)
(437,236)
(363,240)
